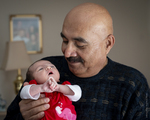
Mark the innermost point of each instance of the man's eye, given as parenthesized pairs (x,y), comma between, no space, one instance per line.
(81,46)
(65,42)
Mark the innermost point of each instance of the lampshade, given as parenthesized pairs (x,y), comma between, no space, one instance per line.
(15,56)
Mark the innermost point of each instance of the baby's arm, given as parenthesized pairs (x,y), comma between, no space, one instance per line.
(73,92)
(77,92)
(58,87)
(26,92)
(33,91)
(65,90)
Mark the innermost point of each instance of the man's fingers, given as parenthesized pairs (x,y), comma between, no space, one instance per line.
(25,83)
(33,108)
(38,102)
(37,117)
(42,95)
(29,100)
(36,113)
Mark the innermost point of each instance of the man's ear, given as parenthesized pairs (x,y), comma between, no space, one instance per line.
(110,41)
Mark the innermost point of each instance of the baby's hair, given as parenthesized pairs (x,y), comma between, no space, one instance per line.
(29,75)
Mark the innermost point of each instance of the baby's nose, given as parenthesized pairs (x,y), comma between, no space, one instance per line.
(47,68)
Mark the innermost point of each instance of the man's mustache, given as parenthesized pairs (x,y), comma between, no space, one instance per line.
(75,59)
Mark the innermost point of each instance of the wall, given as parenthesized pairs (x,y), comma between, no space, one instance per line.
(149,20)
(130,29)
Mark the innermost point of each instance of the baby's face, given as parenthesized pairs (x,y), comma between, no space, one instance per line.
(42,70)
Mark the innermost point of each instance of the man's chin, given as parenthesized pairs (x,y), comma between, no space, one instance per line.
(75,67)
(77,71)
(74,70)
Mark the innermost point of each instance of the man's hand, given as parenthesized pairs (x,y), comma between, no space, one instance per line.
(34,110)
(25,83)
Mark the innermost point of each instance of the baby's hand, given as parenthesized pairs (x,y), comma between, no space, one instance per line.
(50,85)
(53,84)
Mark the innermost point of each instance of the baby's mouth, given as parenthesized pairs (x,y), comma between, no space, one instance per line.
(50,73)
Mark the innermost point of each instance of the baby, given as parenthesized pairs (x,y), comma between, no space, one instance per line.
(43,77)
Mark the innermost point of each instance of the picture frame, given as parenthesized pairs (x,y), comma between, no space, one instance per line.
(27,28)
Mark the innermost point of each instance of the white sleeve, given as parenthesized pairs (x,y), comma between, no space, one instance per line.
(25,94)
(77,92)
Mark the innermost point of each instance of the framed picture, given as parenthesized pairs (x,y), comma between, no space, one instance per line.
(27,28)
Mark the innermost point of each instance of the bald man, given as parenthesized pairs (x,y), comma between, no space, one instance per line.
(109,90)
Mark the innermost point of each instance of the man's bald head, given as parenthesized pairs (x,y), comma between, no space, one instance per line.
(87,39)
(89,15)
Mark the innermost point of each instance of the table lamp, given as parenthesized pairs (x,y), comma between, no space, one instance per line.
(16,58)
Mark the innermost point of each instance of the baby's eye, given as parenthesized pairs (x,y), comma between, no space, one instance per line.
(40,69)
(52,66)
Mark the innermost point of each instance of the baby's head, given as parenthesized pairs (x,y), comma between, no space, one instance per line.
(41,71)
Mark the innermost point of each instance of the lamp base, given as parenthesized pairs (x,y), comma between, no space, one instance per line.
(18,83)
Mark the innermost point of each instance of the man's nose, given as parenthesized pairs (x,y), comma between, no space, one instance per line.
(70,51)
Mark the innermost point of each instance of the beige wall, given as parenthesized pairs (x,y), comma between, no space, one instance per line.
(130,29)
(149,23)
